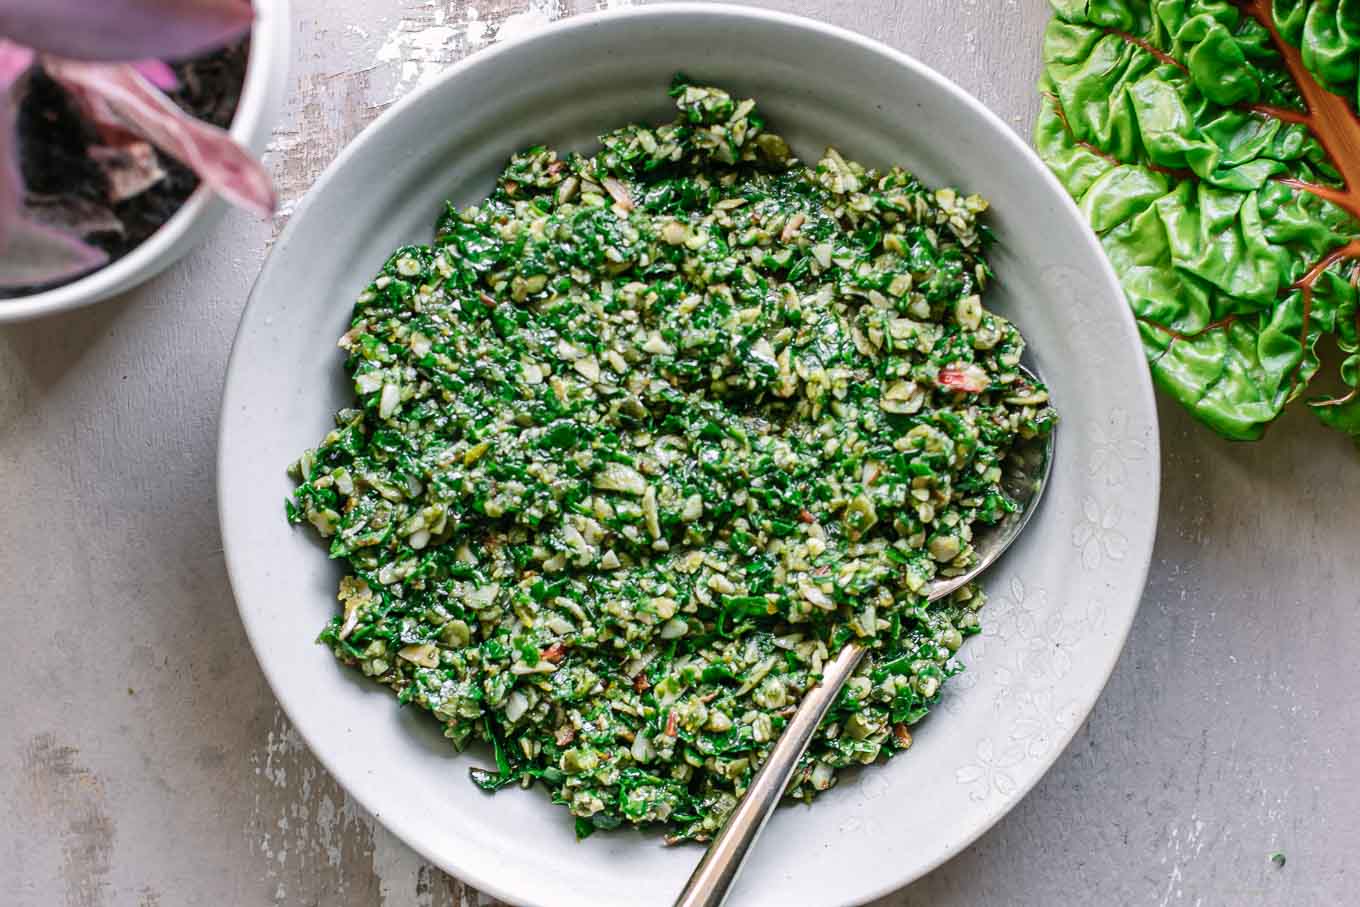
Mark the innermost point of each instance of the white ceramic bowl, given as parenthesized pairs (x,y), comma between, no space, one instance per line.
(261,99)
(1062,600)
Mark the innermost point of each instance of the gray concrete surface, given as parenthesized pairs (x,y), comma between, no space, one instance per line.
(145,763)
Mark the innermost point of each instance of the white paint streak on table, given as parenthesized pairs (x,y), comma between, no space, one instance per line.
(147,764)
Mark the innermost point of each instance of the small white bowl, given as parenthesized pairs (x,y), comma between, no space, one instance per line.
(1062,599)
(261,99)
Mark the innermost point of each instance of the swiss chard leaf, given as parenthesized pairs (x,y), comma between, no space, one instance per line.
(1214,147)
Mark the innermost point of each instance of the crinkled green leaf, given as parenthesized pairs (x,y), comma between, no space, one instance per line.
(1329,38)
(1162,118)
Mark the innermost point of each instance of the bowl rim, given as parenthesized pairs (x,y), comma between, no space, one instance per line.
(473,874)
(261,90)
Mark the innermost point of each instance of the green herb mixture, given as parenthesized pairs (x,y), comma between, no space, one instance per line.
(644,437)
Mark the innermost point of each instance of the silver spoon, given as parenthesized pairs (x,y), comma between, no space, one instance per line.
(1024,480)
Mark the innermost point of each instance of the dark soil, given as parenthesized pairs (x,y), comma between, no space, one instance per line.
(64,185)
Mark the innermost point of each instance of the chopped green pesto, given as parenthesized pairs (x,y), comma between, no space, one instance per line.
(638,442)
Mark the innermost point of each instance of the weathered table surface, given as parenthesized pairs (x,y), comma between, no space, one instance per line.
(146,763)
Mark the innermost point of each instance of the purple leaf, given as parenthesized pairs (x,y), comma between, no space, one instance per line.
(122,30)
(77,216)
(36,254)
(210,152)
(112,129)
(31,254)
(158,74)
(14,62)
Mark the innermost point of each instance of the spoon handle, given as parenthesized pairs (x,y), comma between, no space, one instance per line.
(716,872)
